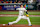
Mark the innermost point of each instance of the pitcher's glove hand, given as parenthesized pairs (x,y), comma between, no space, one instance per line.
(27,15)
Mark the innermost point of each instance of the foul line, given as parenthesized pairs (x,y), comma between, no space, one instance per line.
(17,15)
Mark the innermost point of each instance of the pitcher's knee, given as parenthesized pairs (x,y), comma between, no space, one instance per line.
(27,18)
(15,21)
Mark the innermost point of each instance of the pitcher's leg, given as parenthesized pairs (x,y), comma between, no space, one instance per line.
(24,17)
(18,19)
(28,21)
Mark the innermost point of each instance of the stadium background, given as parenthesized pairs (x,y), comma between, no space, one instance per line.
(8,12)
(35,5)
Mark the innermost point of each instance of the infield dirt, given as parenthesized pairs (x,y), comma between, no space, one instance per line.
(17,25)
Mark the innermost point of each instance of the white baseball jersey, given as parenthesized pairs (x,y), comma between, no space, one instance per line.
(21,16)
(21,11)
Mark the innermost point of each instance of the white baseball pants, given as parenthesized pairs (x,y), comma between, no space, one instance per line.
(18,19)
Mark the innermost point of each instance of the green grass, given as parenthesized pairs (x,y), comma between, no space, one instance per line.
(5,20)
(34,13)
(30,13)
(7,12)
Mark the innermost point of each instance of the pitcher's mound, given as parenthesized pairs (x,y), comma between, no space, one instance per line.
(19,25)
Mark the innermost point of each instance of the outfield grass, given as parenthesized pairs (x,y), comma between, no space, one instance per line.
(30,13)
(5,20)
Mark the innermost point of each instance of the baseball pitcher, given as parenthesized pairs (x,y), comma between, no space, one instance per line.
(21,16)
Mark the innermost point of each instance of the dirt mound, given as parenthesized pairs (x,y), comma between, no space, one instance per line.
(19,25)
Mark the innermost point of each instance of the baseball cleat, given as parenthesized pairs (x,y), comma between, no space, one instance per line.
(8,23)
(30,25)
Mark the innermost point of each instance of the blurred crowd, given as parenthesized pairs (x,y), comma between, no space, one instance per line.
(13,1)
(13,7)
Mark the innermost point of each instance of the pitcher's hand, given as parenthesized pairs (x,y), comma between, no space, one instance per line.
(27,15)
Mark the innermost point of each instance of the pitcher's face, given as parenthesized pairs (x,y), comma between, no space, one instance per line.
(21,6)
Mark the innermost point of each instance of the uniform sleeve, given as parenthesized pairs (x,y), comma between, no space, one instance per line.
(25,10)
(17,9)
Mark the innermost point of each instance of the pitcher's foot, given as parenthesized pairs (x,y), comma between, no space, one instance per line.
(8,23)
(30,25)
